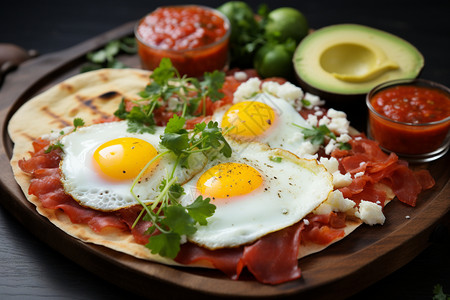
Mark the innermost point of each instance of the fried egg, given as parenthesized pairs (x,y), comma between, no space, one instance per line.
(266,119)
(100,163)
(256,191)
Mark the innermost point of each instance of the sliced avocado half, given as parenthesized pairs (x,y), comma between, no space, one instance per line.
(349,60)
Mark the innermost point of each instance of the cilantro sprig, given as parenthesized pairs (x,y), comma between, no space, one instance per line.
(166,213)
(180,94)
(318,135)
(107,56)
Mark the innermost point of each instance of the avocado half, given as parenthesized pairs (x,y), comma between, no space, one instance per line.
(344,62)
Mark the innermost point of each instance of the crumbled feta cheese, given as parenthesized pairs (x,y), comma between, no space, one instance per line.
(358,138)
(339,125)
(290,92)
(54,134)
(343,138)
(359,174)
(330,147)
(246,90)
(306,148)
(324,121)
(241,76)
(332,113)
(312,120)
(331,164)
(323,209)
(318,113)
(341,180)
(270,87)
(338,203)
(306,221)
(370,213)
(313,100)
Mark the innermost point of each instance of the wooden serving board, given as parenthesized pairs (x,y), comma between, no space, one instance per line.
(367,255)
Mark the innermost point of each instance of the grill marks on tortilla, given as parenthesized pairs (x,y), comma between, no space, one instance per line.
(91,105)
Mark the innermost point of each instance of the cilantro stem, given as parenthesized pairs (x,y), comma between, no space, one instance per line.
(136,180)
(163,192)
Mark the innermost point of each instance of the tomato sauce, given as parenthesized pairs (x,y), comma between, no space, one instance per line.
(410,119)
(195,38)
(412,104)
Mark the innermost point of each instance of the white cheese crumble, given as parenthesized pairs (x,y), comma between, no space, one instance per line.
(241,76)
(331,164)
(359,174)
(56,133)
(307,149)
(312,120)
(313,100)
(339,125)
(332,113)
(287,91)
(370,213)
(246,90)
(337,203)
(341,180)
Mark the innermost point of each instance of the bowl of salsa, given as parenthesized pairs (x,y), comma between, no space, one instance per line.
(410,117)
(194,37)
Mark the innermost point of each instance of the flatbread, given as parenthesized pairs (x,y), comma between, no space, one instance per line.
(91,96)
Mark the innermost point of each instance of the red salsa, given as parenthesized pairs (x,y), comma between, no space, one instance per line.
(412,104)
(195,38)
(421,116)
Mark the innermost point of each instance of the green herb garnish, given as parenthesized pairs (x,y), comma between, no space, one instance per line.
(167,215)
(57,145)
(276,159)
(318,134)
(182,95)
(439,293)
(107,56)
(77,122)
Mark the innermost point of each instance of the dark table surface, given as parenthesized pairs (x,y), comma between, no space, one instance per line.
(29,269)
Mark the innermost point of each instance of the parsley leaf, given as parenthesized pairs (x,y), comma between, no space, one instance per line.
(57,145)
(107,56)
(439,293)
(318,134)
(77,122)
(167,215)
(201,209)
(167,245)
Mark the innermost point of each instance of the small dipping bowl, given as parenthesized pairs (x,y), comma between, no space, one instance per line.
(410,117)
(194,37)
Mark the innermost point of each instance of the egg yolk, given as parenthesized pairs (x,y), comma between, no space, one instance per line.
(123,158)
(228,180)
(249,118)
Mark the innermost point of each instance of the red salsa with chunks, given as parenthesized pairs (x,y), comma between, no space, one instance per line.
(410,119)
(195,38)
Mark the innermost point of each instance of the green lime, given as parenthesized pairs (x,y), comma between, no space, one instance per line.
(287,22)
(240,14)
(273,60)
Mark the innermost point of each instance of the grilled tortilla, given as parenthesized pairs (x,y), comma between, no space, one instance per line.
(91,96)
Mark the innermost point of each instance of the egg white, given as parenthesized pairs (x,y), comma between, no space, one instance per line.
(83,182)
(282,133)
(291,189)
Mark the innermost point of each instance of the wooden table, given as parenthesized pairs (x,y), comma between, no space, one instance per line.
(31,269)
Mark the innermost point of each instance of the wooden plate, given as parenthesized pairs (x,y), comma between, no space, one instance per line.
(343,269)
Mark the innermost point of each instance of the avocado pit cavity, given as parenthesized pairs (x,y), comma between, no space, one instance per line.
(353,62)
